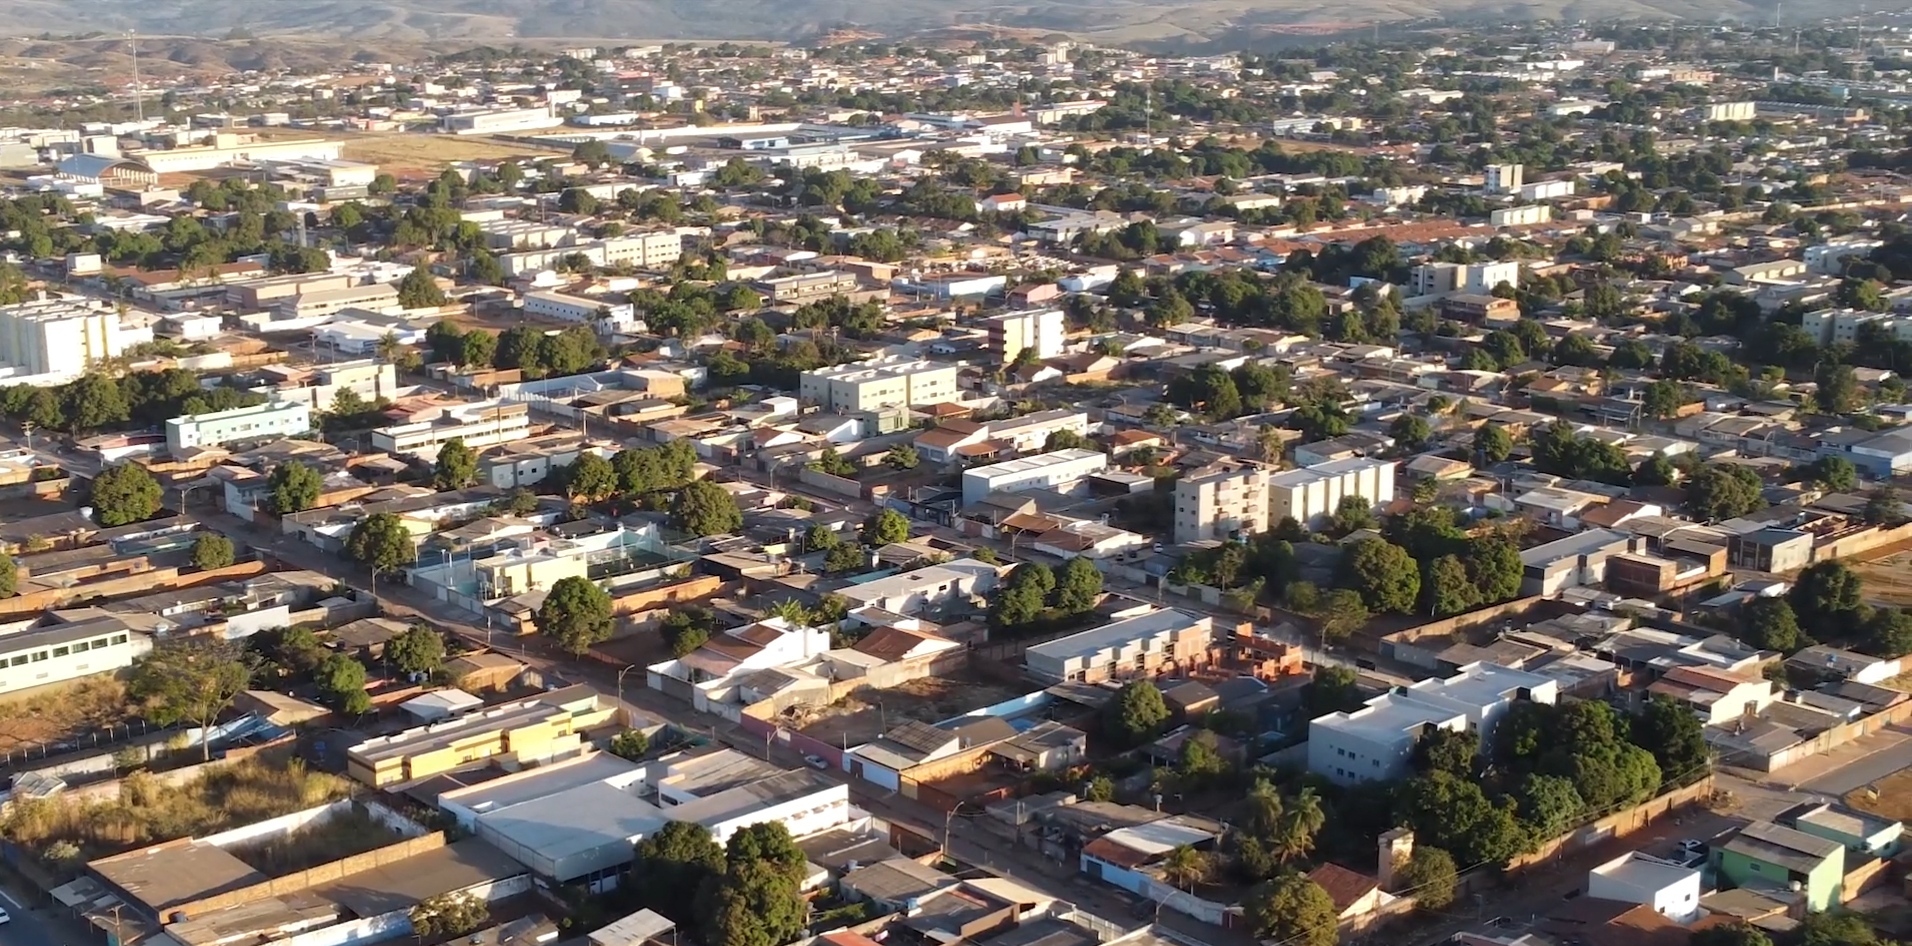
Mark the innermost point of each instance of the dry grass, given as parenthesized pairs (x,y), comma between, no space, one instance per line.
(1888,579)
(1894,796)
(398,152)
(50,714)
(340,836)
(149,811)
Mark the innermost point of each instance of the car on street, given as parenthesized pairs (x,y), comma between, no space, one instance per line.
(4,918)
(816,762)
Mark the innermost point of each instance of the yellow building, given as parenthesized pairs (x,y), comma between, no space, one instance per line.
(517,571)
(526,732)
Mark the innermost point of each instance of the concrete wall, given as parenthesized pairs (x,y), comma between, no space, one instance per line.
(1400,645)
(158,579)
(1617,825)
(315,876)
(1825,741)
(1860,542)
(817,479)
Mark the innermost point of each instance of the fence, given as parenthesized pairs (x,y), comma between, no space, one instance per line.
(817,479)
(1823,742)
(1617,825)
(1400,644)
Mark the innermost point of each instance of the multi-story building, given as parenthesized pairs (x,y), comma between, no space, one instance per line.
(319,385)
(1312,494)
(1141,646)
(481,425)
(848,389)
(1504,178)
(1057,470)
(1226,502)
(268,421)
(256,294)
(1841,326)
(1433,279)
(649,250)
(67,652)
(1520,216)
(530,234)
(1041,331)
(313,303)
(1730,111)
(526,732)
(1028,433)
(604,315)
(499,121)
(799,288)
(1376,742)
(58,336)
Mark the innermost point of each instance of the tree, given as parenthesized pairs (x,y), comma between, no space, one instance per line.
(417,649)
(1455,815)
(293,487)
(1839,392)
(1656,470)
(1068,440)
(1836,929)
(1078,586)
(821,538)
(1662,399)
(418,290)
(755,904)
(1429,875)
(673,864)
(1549,804)
(1674,735)
(93,402)
(686,629)
(1021,598)
(833,463)
(704,508)
(1771,625)
(1829,595)
(341,682)
(1835,473)
(1334,689)
(1493,443)
(590,478)
(1136,715)
(189,680)
(457,465)
(1410,432)
(477,348)
(1888,634)
(1185,867)
(846,558)
(1353,514)
(885,527)
(1883,506)
(1293,911)
(1737,933)
(902,457)
(9,576)
(576,614)
(124,494)
(1448,589)
(1342,612)
(211,552)
(1383,574)
(448,916)
(1447,750)
(1716,492)
(381,543)
(1301,819)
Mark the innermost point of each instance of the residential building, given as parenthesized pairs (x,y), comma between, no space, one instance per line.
(49,655)
(852,388)
(265,293)
(926,588)
(1774,857)
(1504,178)
(1865,835)
(317,386)
(1663,886)
(603,315)
(268,421)
(1837,664)
(1771,550)
(1041,331)
(1311,495)
(1376,742)
(481,425)
(1435,279)
(1230,501)
(528,462)
(525,732)
(1057,470)
(58,337)
(800,288)
(520,569)
(1030,432)
(317,303)
(1573,562)
(1141,646)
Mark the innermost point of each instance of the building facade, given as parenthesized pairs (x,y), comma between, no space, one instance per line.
(1376,742)
(1041,331)
(1055,470)
(57,337)
(1311,495)
(1229,503)
(269,421)
(849,389)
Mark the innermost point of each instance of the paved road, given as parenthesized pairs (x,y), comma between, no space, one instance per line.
(1882,754)
(29,927)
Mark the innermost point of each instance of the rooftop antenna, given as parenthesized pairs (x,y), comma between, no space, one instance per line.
(139,98)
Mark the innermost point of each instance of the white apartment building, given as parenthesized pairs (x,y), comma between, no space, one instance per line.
(1028,433)
(530,234)
(1829,258)
(1042,330)
(485,424)
(501,121)
(1226,503)
(1520,216)
(1504,178)
(1311,494)
(50,655)
(1546,190)
(1376,742)
(1836,326)
(1731,111)
(1144,645)
(1435,279)
(604,314)
(848,389)
(380,297)
(1058,470)
(58,337)
(368,378)
(269,421)
(650,250)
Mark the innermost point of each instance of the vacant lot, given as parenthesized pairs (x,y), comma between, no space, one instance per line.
(867,714)
(404,154)
(60,713)
(1888,578)
(339,836)
(1890,796)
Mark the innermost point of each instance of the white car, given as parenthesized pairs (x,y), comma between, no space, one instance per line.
(4,918)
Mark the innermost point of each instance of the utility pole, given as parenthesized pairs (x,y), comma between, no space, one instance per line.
(139,91)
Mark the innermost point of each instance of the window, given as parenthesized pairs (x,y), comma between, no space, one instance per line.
(62,651)
(17,661)
(39,655)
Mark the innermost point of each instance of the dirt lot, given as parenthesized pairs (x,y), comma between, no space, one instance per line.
(1894,796)
(55,713)
(421,155)
(867,714)
(1888,578)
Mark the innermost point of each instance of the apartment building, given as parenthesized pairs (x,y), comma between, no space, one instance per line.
(1028,433)
(1057,470)
(256,294)
(1041,331)
(269,421)
(51,655)
(1141,646)
(1311,494)
(1227,502)
(525,733)
(481,425)
(651,250)
(318,386)
(58,336)
(529,234)
(603,314)
(1376,742)
(1434,279)
(528,462)
(852,388)
(1504,178)
(799,288)
(314,303)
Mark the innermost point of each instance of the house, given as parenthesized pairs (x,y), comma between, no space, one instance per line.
(1717,696)
(1768,856)
(729,655)
(1123,858)
(1770,549)
(1840,664)
(1669,889)
(1376,742)
(1864,835)
(1355,895)
(1048,746)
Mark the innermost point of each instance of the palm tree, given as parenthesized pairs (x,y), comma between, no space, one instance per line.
(1301,819)
(1264,809)
(1185,867)
(388,348)
(791,610)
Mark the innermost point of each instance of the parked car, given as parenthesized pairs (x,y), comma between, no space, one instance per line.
(4,918)
(816,762)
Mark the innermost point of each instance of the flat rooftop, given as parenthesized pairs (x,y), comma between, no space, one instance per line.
(400,885)
(717,772)
(166,876)
(1644,872)
(577,820)
(1037,462)
(1102,638)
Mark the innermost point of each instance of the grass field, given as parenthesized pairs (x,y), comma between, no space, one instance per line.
(54,713)
(1894,796)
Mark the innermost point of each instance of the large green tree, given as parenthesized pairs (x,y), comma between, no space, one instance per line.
(417,649)
(1136,714)
(1675,737)
(190,680)
(1078,586)
(704,508)
(1829,595)
(885,527)
(125,494)
(1293,911)
(673,864)
(1717,492)
(293,487)
(211,552)
(381,543)
(576,613)
(457,465)
(1386,577)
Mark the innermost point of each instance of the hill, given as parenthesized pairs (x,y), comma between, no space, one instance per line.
(447,21)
